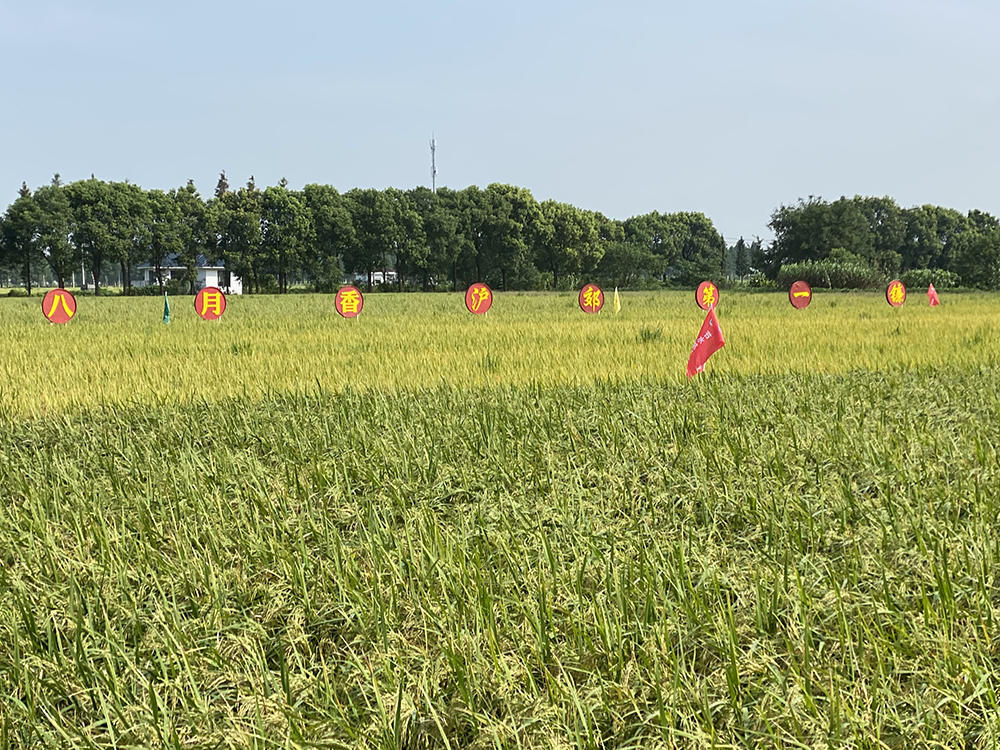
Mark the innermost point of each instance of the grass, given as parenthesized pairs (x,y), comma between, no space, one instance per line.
(595,557)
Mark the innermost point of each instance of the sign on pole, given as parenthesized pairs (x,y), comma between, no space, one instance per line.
(210,303)
(349,301)
(478,299)
(591,298)
(895,293)
(800,295)
(59,306)
(707,295)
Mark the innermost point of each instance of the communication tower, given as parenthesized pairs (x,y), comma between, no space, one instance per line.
(434,169)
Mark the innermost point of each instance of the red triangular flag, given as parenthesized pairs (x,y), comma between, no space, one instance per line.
(932,296)
(709,341)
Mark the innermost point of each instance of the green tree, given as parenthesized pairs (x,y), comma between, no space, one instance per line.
(130,230)
(19,240)
(236,218)
(629,265)
(567,240)
(407,240)
(372,215)
(801,233)
(702,249)
(54,227)
(657,234)
(163,234)
(975,257)
(106,220)
(194,231)
(93,216)
(742,259)
(440,220)
(887,225)
(510,228)
(286,232)
(688,242)
(333,232)
(922,246)
(471,208)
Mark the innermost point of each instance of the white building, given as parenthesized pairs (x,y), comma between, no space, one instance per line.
(216,275)
(378,277)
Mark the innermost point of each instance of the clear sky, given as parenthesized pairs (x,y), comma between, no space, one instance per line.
(721,106)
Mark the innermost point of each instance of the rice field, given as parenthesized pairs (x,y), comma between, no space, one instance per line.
(117,352)
(428,530)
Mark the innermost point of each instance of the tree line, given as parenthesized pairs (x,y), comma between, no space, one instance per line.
(877,234)
(278,237)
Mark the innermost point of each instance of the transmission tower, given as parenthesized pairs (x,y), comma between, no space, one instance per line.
(434,169)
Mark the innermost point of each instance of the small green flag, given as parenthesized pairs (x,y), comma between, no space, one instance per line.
(166,308)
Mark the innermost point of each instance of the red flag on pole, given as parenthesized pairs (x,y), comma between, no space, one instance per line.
(709,341)
(932,296)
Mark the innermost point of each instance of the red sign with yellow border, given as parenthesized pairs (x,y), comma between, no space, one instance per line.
(591,298)
(210,303)
(478,299)
(895,293)
(58,306)
(349,301)
(707,295)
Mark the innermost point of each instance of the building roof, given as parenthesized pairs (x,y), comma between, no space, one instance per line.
(172,262)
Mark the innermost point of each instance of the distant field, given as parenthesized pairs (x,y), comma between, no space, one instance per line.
(117,351)
(424,530)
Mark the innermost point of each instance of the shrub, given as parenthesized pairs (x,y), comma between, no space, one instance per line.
(17,292)
(921,277)
(831,274)
(151,290)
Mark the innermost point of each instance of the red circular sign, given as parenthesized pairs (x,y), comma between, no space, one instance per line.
(478,299)
(895,293)
(210,303)
(800,295)
(59,306)
(591,298)
(349,301)
(707,295)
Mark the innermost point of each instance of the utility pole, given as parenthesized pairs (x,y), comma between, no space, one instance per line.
(434,169)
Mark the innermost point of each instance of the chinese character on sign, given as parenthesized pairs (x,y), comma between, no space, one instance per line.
(591,298)
(707,295)
(895,294)
(349,302)
(478,299)
(59,306)
(210,303)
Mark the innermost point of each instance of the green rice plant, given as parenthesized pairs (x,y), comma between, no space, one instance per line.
(116,351)
(361,536)
(648,334)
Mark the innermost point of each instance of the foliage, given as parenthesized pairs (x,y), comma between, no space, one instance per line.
(451,238)
(975,257)
(830,274)
(755,282)
(688,242)
(630,265)
(19,242)
(878,233)
(924,277)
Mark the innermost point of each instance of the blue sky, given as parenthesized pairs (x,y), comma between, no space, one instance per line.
(725,107)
